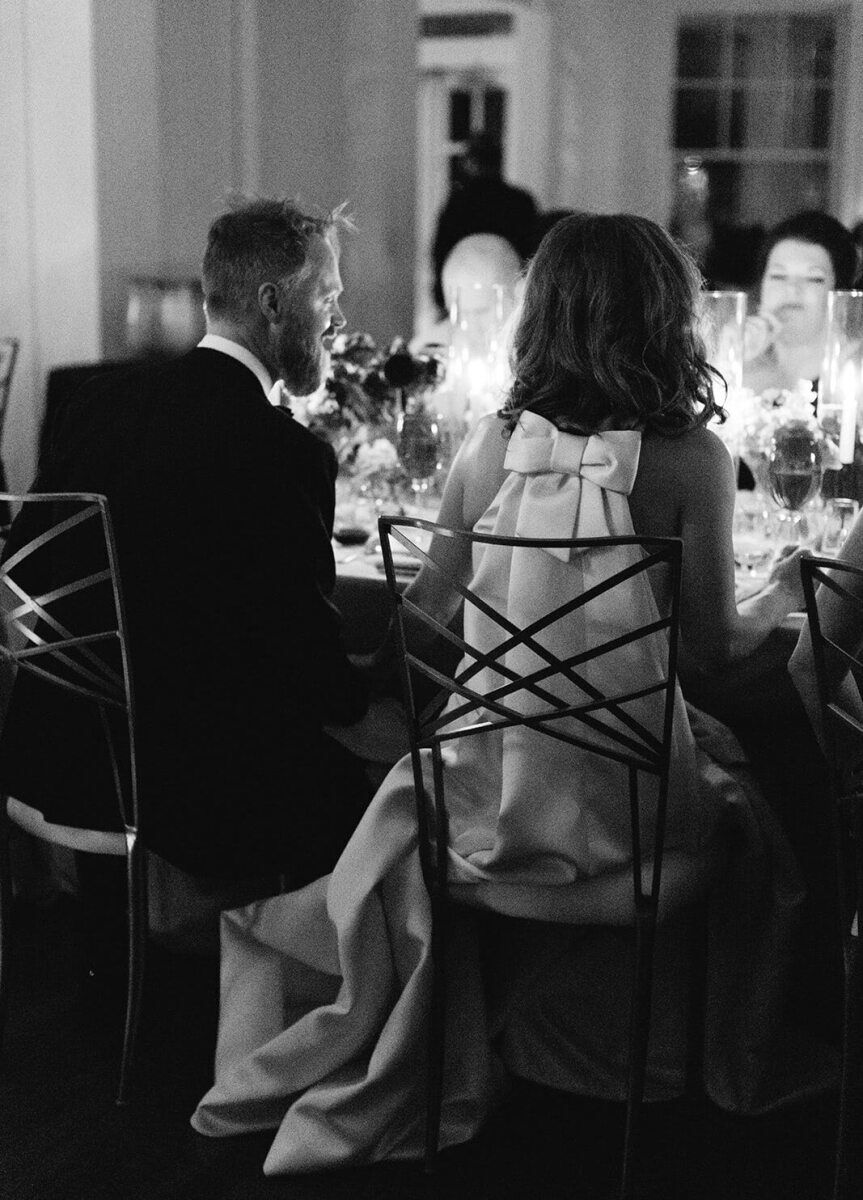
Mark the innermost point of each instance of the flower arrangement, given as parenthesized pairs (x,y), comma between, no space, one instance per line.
(760,416)
(358,407)
(757,422)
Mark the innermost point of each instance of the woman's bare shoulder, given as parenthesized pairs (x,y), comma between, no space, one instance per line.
(482,465)
(488,439)
(679,478)
(688,456)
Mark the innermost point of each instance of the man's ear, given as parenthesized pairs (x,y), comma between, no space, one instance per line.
(271,302)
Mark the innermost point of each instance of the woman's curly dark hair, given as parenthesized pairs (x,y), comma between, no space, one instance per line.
(607,334)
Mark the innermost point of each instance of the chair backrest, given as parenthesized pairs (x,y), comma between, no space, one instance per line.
(840,723)
(832,661)
(555,694)
(63,616)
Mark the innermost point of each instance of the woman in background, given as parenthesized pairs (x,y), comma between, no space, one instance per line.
(804,258)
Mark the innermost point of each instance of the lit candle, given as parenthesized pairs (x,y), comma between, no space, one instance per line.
(848,389)
(477,377)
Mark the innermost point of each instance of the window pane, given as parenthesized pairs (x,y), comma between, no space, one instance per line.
(699,50)
(459,116)
(764,193)
(809,118)
(758,48)
(722,191)
(495,112)
(697,119)
(811,44)
(756,117)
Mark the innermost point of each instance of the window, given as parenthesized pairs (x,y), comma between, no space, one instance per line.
(754,115)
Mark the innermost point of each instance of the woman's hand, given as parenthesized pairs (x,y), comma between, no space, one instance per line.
(785,576)
(759,332)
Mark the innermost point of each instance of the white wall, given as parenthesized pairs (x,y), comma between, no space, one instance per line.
(198,124)
(336,88)
(49,244)
(125,82)
(380,79)
(611,100)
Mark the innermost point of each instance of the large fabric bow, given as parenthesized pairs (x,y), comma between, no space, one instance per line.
(569,485)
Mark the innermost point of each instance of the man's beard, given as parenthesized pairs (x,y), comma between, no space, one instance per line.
(304,363)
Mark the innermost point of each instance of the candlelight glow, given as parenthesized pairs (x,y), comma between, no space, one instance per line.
(849,392)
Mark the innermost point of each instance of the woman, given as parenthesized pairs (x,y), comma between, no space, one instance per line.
(804,257)
(325,990)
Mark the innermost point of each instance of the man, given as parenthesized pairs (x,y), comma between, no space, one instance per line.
(223,507)
(483,203)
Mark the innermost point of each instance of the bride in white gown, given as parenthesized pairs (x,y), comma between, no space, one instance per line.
(325,990)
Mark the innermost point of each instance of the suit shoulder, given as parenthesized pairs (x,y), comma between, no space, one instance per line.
(301,440)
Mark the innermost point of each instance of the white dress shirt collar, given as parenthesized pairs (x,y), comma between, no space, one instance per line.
(214,341)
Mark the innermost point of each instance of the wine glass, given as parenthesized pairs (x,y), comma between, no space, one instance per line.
(419,445)
(794,473)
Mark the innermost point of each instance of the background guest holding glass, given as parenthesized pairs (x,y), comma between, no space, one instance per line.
(804,258)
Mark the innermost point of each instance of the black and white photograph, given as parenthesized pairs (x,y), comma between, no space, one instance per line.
(431,599)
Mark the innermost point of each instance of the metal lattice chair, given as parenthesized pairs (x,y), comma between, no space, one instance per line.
(604,727)
(832,666)
(64,622)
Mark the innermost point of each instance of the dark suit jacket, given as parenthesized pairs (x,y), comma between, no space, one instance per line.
(223,508)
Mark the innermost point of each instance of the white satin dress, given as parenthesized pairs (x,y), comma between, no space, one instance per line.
(325,991)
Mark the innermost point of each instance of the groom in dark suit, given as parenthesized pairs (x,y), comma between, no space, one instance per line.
(223,510)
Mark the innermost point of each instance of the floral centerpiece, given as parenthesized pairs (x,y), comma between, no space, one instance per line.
(359,408)
(757,420)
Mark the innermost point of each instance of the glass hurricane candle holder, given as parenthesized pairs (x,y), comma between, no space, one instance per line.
(478,360)
(840,384)
(722,319)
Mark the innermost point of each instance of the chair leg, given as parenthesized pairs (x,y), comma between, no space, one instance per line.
(645,932)
(436,1041)
(136,881)
(696,1016)
(5,913)
(850,1066)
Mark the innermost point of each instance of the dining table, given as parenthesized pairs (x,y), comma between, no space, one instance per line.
(361,595)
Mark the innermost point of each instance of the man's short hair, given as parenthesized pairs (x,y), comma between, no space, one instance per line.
(259,241)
